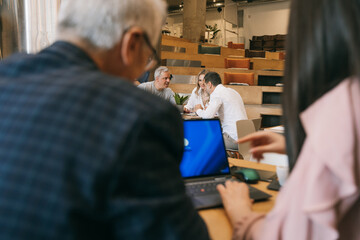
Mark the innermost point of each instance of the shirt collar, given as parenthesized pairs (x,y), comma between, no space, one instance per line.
(70,52)
(332,126)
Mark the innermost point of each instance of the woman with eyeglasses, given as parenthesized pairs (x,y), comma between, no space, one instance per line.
(321,198)
(199,97)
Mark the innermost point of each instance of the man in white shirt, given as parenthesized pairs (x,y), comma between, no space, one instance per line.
(160,86)
(225,102)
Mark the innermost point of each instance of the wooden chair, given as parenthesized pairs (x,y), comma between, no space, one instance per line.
(257,123)
(245,127)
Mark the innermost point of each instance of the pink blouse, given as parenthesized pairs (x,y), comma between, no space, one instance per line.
(320,200)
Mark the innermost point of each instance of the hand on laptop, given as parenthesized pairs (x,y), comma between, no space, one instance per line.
(236,200)
(263,142)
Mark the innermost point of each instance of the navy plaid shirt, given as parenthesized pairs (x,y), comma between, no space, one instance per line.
(85,155)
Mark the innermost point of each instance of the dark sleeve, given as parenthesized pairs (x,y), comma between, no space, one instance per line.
(144,77)
(149,190)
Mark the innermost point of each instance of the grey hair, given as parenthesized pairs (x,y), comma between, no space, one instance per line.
(102,23)
(159,71)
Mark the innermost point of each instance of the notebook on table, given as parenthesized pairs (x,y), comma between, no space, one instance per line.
(205,165)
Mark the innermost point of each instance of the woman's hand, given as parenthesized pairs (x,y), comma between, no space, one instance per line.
(263,142)
(236,200)
(186,110)
(197,107)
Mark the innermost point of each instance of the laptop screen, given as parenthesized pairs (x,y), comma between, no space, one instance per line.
(204,152)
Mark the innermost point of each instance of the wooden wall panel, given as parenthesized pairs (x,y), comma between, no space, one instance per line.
(262,63)
(191,48)
(220,71)
(226,52)
(167,37)
(207,60)
(255,111)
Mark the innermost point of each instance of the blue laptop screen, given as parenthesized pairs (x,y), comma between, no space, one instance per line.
(204,152)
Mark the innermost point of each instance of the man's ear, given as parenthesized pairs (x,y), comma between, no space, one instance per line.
(130,46)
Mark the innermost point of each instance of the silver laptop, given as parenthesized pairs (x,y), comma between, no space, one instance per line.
(205,165)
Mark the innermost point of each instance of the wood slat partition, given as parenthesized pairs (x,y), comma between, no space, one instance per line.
(207,60)
(262,63)
(230,52)
(191,48)
(220,71)
(278,73)
(256,111)
(214,61)
(184,70)
(249,94)
(167,37)
(182,87)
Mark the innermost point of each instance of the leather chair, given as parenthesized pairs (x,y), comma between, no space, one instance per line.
(247,78)
(237,63)
(245,127)
(236,45)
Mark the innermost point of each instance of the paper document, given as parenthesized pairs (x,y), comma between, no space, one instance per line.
(277,129)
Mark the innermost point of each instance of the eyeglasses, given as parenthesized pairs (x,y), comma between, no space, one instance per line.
(154,59)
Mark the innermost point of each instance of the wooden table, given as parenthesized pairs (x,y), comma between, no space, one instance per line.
(190,116)
(216,220)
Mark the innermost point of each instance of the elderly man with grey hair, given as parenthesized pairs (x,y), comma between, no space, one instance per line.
(160,86)
(84,153)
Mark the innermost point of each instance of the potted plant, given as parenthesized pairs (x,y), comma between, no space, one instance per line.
(180,100)
(212,31)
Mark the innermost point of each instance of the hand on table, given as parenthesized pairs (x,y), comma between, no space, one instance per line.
(263,142)
(197,107)
(187,110)
(236,200)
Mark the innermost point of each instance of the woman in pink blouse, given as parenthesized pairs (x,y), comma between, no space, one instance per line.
(320,199)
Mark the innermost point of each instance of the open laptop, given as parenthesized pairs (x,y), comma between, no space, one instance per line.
(205,164)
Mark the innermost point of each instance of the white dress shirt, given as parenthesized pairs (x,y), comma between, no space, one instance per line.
(195,99)
(228,104)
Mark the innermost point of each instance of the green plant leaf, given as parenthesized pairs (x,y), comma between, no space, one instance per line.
(180,100)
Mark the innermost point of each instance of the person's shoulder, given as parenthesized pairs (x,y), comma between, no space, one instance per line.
(169,91)
(194,91)
(149,101)
(143,85)
(232,90)
(147,86)
(154,107)
(219,89)
(124,93)
(16,63)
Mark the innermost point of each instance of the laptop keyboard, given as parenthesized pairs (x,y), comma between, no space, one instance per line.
(203,188)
